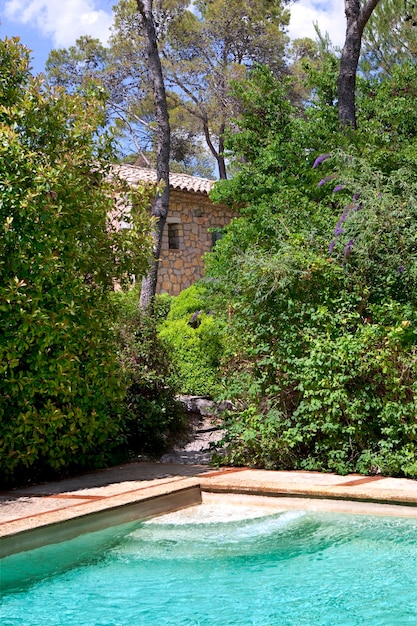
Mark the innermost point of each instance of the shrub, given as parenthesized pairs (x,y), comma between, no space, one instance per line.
(189,302)
(152,417)
(60,390)
(320,272)
(193,336)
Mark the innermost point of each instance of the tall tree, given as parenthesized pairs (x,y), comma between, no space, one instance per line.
(161,200)
(357,17)
(201,53)
(390,37)
(124,80)
(122,71)
(205,50)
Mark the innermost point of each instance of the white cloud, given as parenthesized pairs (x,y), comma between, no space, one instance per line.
(62,20)
(329,14)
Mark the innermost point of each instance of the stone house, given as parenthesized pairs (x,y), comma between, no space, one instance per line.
(188,231)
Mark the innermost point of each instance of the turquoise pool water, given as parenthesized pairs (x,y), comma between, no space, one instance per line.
(244,568)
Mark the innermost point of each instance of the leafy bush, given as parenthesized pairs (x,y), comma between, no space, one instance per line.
(152,417)
(161,307)
(193,336)
(320,271)
(189,302)
(60,390)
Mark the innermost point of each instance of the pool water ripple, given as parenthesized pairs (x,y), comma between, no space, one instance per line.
(191,569)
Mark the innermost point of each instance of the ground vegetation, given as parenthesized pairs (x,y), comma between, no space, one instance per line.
(153,419)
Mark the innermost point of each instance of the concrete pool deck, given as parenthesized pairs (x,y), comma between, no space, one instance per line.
(30,516)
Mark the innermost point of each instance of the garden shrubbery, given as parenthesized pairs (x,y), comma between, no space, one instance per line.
(309,310)
(152,416)
(61,396)
(320,271)
(193,336)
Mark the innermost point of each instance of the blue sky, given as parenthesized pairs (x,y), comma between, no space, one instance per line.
(46,24)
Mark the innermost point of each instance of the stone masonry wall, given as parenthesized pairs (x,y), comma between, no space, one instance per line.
(191,216)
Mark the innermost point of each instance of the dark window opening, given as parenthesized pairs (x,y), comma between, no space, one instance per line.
(174,236)
(216,235)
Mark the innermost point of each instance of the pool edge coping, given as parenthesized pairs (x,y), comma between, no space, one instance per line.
(168,495)
(58,530)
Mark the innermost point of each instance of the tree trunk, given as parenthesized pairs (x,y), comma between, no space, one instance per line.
(221,162)
(356,20)
(222,167)
(218,154)
(161,201)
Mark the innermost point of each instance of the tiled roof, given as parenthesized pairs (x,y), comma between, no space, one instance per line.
(133,174)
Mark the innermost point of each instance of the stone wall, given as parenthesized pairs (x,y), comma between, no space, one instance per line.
(186,238)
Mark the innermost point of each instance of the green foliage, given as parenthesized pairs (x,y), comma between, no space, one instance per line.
(388,119)
(161,307)
(188,302)
(193,336)
(390,37)
(152,416)
(61,395)
(320,273)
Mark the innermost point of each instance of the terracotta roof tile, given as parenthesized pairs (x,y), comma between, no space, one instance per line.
(133,174)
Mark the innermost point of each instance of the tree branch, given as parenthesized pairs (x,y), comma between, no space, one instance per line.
(365,13)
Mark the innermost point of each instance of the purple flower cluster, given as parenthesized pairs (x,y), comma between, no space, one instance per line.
(195,315)
(348,249)
(325,180)
(339,230)
(320,159)
(194,322)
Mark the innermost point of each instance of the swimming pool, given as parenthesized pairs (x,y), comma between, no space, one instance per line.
(222,566)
